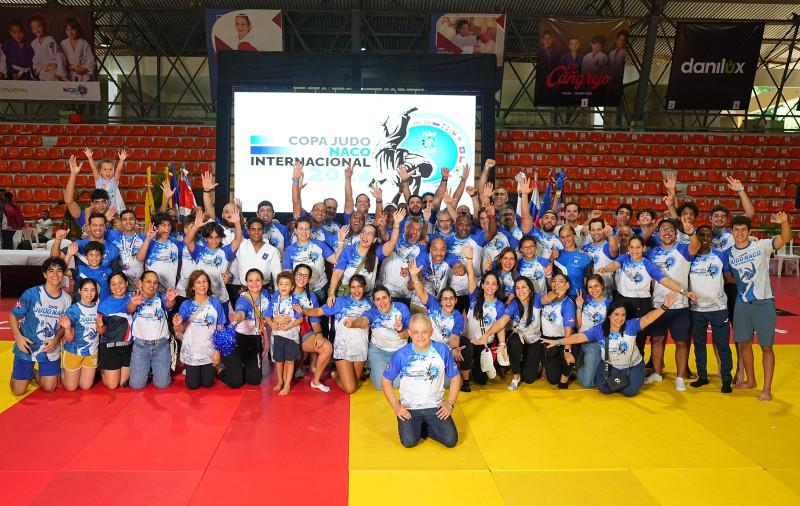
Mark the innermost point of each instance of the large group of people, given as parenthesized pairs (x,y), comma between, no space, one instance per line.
(424,295)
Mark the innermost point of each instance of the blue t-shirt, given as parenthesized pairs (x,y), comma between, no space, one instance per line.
(312,254)
(38,313)
(384,335)
(280,305)
(545,243)
(593,313)
(110,255)
(633,279)
(99,275)
(162,257)
(421,374)
(534,270)
(149,321)
(347,306)
(576,266)
(116,318)
(249,326)
(556,316)
(622,349)
(443,325)
(84,322)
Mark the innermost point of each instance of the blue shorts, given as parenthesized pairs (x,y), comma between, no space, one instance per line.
(23,369)
(677,321)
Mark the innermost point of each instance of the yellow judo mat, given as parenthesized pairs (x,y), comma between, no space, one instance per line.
(539,445)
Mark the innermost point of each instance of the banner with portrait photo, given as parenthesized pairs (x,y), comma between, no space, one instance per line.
(581,62)
(471,34)
(714,65)
(47,54)
(241,30)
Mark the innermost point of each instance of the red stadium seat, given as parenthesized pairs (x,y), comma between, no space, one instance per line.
(209,155)
(205,131)
(164,131)
(50,180)
(6,180)
(174,142)
(54,195)
(146,142)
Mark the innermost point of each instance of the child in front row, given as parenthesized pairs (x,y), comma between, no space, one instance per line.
(285,323)
(82,341)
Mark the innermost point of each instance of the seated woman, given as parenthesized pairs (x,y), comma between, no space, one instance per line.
(525,349)
(351,344)
(243,364)
(589,312)
(617,339)
(448,324)
(558,321)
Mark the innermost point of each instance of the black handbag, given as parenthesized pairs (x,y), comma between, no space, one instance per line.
(614,382)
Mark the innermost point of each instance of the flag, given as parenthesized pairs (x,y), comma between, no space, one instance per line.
(149,205)
(546,200)
(536,201)
(559,206)
(173,184)
(186,201)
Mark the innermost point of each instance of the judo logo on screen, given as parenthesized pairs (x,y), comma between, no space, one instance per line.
(421,142)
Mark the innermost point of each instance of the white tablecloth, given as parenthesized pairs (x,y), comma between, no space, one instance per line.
(24,257)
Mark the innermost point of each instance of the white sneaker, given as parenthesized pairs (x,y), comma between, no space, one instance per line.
(653,378)
(514,384)
(321,387)
(680,384)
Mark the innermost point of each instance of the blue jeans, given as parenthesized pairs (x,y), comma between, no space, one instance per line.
(635,378)
(378,361)
(587,364)
(411,431)
(146,355)
(721,335)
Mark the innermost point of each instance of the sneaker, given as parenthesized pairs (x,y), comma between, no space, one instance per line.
(563,386)
(653,378)
(465,386)
(680,384)
(699,383)
(321,387)
(514,384)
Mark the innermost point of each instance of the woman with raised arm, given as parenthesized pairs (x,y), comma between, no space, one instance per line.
(590,311)
(617,338)
(633,279)
(505,264)
(524,348)
(485,307)
(363,258)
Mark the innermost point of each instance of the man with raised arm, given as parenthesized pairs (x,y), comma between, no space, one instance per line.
(362,202)
(755,302)
(318,211)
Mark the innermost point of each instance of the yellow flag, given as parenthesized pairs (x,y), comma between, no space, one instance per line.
(149,206)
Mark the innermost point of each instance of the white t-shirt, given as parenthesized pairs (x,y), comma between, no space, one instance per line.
(150,319)
(622,349)
(750,266)
(474,241)
(546,243)
(633,279)
(706,280)
(674,263)
(390,270)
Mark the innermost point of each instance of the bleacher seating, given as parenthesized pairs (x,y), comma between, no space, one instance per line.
(33,158)
(604,167)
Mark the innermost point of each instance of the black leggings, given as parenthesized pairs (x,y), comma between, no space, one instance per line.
(524,357)
(478,376)
(466,353)
(555,363)
(243,365)
(199,376)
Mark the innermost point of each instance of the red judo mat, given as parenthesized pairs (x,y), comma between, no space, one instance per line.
(176,446)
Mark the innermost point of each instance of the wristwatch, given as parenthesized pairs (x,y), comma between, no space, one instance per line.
(452,406)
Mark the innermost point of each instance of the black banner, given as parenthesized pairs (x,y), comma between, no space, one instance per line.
(581,62)
(714,65)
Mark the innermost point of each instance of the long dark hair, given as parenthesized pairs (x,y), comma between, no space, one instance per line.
(371,256)
(531,298)
(613,307)
(310,272)
(479,300)
(499,256)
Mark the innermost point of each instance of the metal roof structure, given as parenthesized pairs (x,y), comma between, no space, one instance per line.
(175,31)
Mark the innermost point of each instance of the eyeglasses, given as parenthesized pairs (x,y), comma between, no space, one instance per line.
(448,298)
(507,215)
(368,234)
(669,230)
(302,275)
